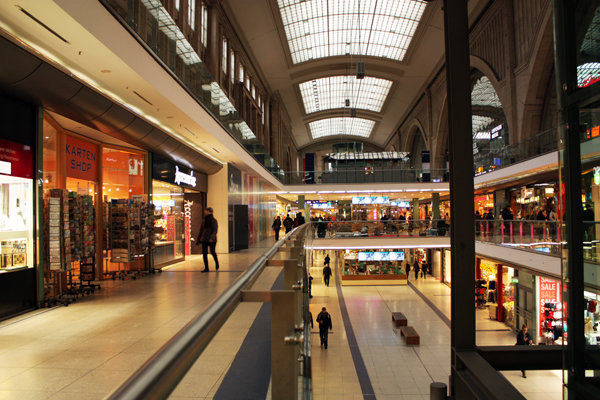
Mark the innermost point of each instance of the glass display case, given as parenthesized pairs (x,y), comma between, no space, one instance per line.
(16,227)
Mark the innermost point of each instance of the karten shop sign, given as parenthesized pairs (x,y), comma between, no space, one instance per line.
(81,159)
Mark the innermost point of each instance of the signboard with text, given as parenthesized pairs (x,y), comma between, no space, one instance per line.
(81,159)
(16,159)
(548,292)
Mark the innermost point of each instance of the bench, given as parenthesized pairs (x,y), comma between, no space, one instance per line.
(412,337)
(399,318)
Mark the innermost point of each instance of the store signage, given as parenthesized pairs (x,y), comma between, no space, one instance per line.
(381,256)
(548,292)
(597,176)
(483,136)
(401,204)
(475,148)
(166,171)
(481,198)
(17,159)
(182,177)
(496,131)
(371,200)
(81,159)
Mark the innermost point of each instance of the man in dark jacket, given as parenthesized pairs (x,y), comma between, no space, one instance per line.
(276,227)
(208,237)
(325,325)
(288,223)
(326,274)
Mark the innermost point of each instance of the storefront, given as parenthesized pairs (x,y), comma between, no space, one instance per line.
(495,290)
(550,318)
(373,267)
(483,203)
(367,208)
(17,208)
(592,316)
(85,174)
(179,198)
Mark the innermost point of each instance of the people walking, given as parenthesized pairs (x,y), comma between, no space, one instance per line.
(325,325)
(310,279)
(276,227)
(326,274)
(524,339)
(417,268)
(208,237)
(288,223)
(327,259)
(424,269)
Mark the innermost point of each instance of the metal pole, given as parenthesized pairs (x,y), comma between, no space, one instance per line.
(462,235)
(438,391)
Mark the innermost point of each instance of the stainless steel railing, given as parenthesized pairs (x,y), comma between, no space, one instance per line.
(161,374)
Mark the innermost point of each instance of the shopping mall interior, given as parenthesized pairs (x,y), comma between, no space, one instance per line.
(362,249)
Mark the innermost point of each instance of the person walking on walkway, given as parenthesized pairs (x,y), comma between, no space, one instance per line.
(327,259)
(424,269)
(208,237)
(326,274)
(417,268)
(288,223)
(277,226)
(524,339)
(325,325)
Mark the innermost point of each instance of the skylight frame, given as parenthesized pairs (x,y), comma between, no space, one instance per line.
(346,126)
(484,94)
(331,92)
(319,28)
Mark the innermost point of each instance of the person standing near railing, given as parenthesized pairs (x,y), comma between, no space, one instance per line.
(541,217)
(507,216)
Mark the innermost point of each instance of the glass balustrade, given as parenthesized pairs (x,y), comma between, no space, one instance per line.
(542,236)
(364,174)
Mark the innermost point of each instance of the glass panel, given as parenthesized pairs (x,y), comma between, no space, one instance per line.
(50,165)
(169,222)
(328,28)
(341,126)
(332,92)
(16,223)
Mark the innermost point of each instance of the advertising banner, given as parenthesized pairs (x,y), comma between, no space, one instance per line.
(16,159)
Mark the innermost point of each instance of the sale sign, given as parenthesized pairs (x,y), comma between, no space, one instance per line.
(81,159)
(548,292)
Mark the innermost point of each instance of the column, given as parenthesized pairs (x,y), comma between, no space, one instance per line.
(415,209)
(436,206)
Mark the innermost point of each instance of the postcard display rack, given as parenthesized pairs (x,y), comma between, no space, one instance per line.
(131,233)
(57,244)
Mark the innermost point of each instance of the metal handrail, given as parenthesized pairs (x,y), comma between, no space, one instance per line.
(160,375)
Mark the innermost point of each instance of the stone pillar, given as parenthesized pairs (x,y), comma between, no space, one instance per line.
(275,130)
(436,206)
(416,209)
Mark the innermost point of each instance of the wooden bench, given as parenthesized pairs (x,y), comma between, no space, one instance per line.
(399,318)
(412,337)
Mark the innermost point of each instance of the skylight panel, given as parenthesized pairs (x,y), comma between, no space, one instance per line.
(328,28)
(480,123)
(341,126)
(331,92)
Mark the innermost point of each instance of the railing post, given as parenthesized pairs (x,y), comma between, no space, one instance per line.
(284,352)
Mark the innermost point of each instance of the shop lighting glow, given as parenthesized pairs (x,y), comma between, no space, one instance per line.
(374,246)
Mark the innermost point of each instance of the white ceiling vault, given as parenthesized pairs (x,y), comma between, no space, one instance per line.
(307,51)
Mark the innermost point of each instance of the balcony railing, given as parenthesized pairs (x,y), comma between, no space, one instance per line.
(367,174)
(154,27)
(389,228)
(542,143)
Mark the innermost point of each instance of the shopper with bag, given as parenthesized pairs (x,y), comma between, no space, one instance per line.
(325,325)
(524,339)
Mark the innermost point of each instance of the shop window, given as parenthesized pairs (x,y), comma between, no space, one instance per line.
(50,166)
(169,222)
(122,174)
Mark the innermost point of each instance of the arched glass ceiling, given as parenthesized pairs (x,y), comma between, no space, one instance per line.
(331,93)
(483,94)
(341,126)
(327,28)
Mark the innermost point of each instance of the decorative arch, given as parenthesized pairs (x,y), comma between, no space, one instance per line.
(414,126)
(441,142)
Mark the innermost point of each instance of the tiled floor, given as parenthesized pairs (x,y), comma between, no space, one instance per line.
(86,350)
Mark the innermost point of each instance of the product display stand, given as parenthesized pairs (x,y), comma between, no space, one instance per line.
(552,326)
(57,243)
(122,236)
(87,266)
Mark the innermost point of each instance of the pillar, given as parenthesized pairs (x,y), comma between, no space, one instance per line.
(416,209)
(436,206)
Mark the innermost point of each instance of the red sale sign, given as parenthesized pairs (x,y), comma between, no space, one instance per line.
(549,292)
(16,159)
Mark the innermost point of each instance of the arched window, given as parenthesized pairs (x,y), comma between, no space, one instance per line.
(490,130)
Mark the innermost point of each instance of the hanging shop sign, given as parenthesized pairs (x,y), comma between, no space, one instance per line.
(166,171)
(16,159)
(495,132)
(381,256)
(81,159)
